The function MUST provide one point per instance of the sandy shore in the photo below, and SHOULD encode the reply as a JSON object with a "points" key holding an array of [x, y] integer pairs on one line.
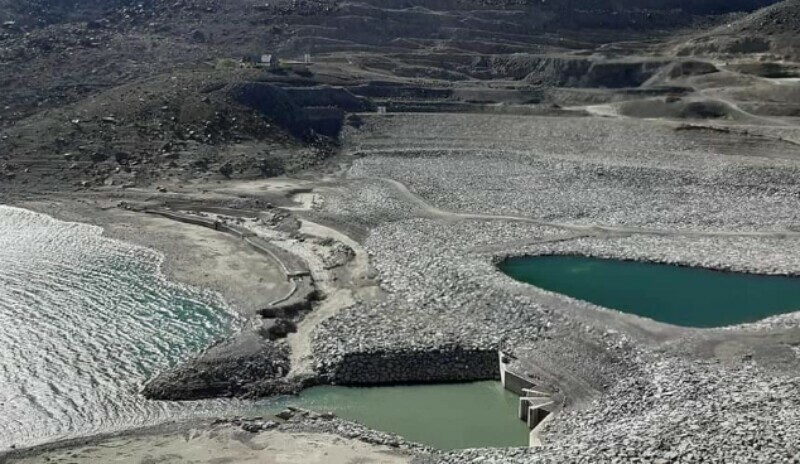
{"points": [[196, 256], [213, 444]]}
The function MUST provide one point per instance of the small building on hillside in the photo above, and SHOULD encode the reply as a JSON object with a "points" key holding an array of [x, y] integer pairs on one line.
{"points": [[267, 60]]}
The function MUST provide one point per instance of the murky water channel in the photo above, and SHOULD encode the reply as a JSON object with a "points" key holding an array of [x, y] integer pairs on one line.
{"points": [[444, 416]]}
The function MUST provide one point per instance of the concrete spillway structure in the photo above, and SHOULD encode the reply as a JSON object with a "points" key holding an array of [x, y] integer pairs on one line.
{"points": [[537, 405]]}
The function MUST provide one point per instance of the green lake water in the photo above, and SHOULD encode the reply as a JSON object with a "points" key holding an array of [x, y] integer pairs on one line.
{"points": [[684, 296], [444, 416], [85, 321]]}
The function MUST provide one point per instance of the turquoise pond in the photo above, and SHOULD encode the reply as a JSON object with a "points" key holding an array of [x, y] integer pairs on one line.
{"points": [[685, 296]]}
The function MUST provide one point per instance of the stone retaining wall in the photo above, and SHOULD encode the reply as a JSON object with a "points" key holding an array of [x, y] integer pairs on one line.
{"points": [[392, 367], [185, 218], [292, 266]]}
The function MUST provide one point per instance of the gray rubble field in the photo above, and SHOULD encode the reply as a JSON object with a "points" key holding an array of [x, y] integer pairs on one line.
{"points": [[636, 390]]}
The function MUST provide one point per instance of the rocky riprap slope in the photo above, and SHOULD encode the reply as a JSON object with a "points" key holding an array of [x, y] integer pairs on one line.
{"points": [[647, 404], [448, 308], [227, 369], [589, 170], [635, 390], [682, 412]]}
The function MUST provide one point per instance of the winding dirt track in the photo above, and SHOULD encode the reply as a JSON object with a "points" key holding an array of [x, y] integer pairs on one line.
{"points": [[337, 297], [592, 229]]}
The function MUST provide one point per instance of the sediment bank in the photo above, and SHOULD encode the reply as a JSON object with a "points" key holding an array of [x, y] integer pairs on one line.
{"points": [[305, 438]]}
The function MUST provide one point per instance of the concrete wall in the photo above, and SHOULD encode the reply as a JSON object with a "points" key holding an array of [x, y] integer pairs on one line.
{"points": [[186, 218], [291, 265], [514, 382]]}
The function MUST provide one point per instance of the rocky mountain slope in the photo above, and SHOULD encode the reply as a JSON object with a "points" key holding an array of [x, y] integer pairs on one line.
{"points": [[61, 60], [774, 30]]}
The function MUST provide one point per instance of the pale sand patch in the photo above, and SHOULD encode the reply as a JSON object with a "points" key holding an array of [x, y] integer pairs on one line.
{"points": [[195, 255], [224, 444], [338, 295], [216, 260]]}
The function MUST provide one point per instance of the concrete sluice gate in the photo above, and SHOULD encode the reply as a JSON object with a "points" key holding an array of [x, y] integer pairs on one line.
{"points": [[537, 405]]}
